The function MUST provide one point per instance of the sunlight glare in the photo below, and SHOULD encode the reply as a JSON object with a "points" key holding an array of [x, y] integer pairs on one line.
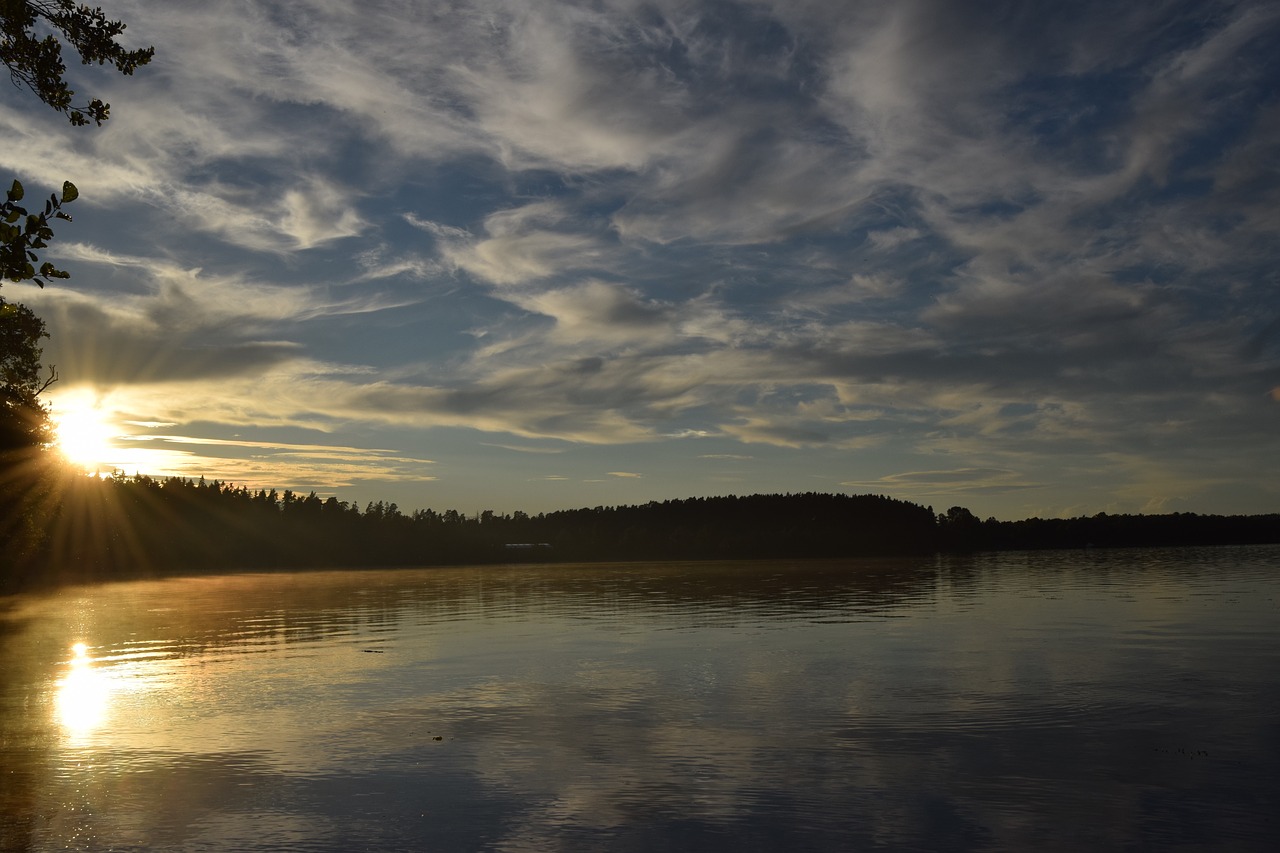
{"points": [[85, 437], [83, 697]]}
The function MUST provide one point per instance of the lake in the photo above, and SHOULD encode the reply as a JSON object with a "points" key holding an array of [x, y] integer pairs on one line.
{"points": [[1104, 700]]}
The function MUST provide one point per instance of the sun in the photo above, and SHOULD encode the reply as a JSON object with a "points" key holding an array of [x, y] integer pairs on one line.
{"points": [[85, 436]]}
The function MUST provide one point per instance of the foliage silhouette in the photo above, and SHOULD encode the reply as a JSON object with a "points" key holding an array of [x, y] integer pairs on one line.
{"points": [[24, 420], [21, 233], [35, 62]]}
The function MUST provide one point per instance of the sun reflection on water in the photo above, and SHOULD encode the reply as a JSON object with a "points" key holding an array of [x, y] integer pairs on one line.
{"points": [[84, 695]]}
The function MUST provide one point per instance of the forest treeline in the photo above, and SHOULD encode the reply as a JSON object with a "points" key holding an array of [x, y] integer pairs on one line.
{"points": [[84, 528]]}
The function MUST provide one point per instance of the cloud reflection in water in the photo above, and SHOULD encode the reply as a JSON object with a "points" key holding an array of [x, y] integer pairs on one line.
{"points": [[1003, 702]]}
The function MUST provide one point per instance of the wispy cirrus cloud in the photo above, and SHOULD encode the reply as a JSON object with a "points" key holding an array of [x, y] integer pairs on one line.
{"points": [[949, 482], [324, 468]]}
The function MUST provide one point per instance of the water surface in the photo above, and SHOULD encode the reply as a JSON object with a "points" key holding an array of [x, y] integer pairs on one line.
{"points": [[1111, 700]]}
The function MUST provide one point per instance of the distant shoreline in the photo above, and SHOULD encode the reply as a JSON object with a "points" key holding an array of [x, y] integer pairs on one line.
{"points": [[132, 527]]}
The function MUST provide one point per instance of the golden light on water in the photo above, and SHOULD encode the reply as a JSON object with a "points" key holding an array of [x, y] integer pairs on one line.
{"points": [[84, 695]]}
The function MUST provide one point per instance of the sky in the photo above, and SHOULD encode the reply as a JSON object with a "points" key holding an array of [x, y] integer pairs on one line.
{"points": [[533, 255]]}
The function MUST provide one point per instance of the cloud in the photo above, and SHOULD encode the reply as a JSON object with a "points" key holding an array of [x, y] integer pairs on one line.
{"points": [[254, 464], [525, 448], [957, 481], [939, 235], [444, 232], [574, 89], [521, 245], [317, 213], [172, 323]]}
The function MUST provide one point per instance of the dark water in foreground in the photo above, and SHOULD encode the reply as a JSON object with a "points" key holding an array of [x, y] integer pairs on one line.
{"points": [[1125, 700]]}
